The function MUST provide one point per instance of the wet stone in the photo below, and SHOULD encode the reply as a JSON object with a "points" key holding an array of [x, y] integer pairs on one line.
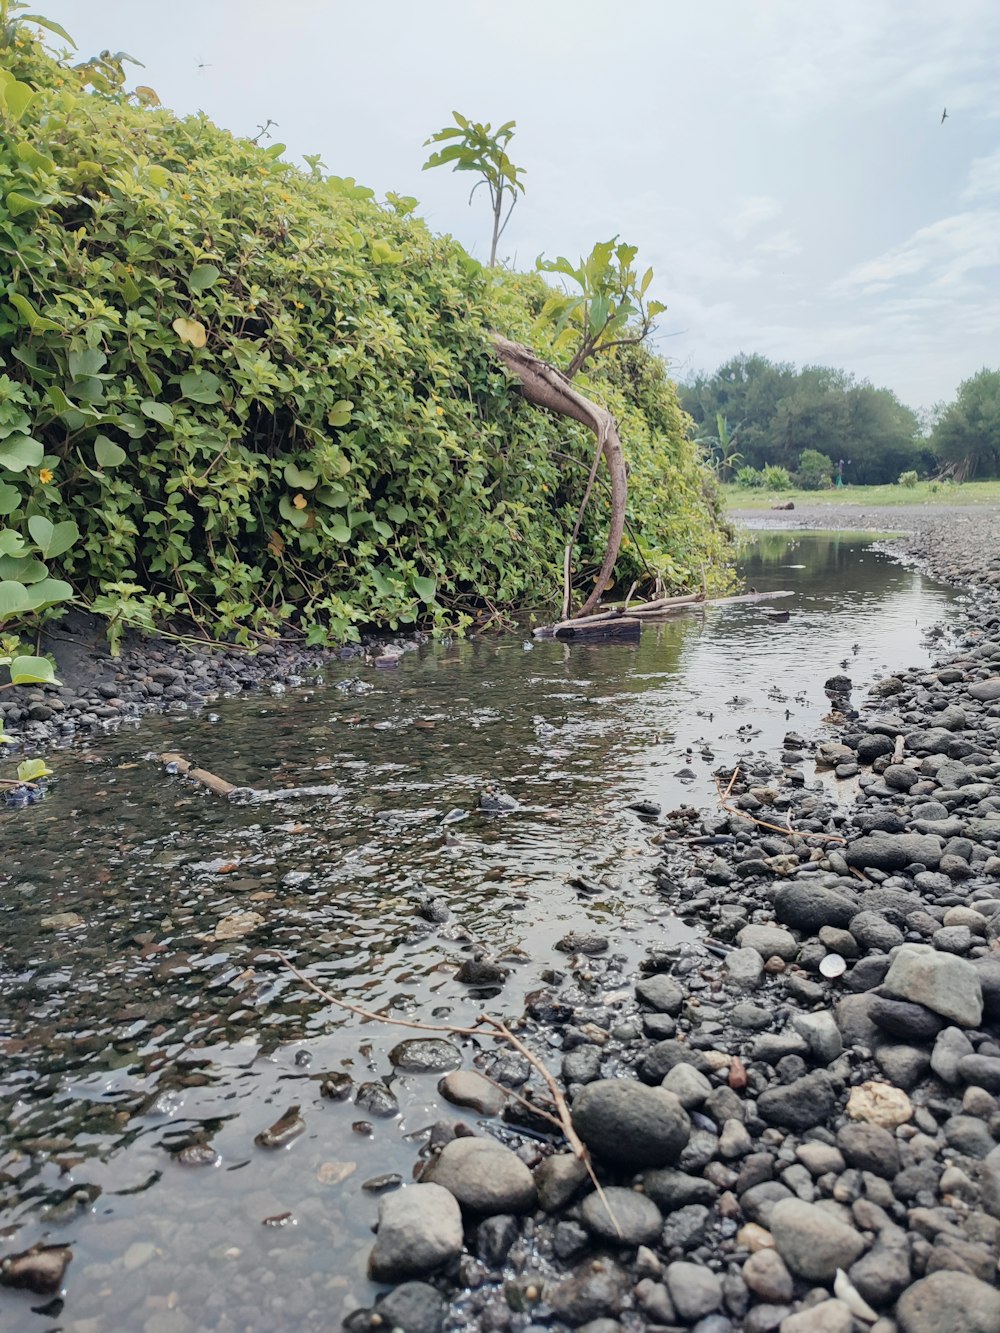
{"points": [[583, 942], [661, 993], [621, 1217], [425, 1055], [336, 1086], [631, 1124], [464, 1087], [484, 1176], [376, 1099], [419, 1229]]}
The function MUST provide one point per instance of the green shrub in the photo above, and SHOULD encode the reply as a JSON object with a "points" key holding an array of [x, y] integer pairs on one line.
{"points": [[234, 392], [775, 478], [815, 471], [908, 479], [749, 478]]}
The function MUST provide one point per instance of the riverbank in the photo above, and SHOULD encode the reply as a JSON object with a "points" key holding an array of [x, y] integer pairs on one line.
{"points": [[795, 1123]]}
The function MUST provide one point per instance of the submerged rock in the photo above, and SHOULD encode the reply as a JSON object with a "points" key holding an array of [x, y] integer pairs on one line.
{"points": [[425, 1055], [40, 1269]]}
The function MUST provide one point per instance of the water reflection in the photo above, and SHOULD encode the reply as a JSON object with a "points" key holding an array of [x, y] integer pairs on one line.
{"points": [[153, 1024]]}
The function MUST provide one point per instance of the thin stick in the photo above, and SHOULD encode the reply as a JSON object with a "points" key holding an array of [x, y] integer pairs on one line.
{"points": [[501, 1032], [788, 831]]}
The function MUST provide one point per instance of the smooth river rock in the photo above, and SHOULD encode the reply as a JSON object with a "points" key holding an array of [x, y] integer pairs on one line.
{"points": [[812, 1241], [941, 982], [484, 1176], [946, 1302], [621, 1216], [631, 1124], [419, 1229]]}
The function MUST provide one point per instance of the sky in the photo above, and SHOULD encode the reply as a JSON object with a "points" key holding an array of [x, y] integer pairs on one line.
{"points": [[781, 164]]}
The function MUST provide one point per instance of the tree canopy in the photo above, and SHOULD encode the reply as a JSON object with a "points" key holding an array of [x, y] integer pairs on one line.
{"points": [[781, 413], [966, 436]]}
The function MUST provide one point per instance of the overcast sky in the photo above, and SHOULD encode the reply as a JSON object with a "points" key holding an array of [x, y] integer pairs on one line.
{"points": [[781, 164]]}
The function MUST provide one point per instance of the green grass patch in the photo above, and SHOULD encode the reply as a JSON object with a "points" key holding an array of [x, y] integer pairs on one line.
{"points": [[924, 493]]}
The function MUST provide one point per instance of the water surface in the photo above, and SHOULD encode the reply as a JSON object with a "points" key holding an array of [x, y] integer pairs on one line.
{"points": [[139, 1030]]}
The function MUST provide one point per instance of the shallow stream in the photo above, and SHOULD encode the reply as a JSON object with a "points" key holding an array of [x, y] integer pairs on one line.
{"points": [[138, 1028]]}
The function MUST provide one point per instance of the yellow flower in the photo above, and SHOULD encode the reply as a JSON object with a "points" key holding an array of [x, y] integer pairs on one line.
{"points": [[299, 305], [440, 411], [45, 474]]}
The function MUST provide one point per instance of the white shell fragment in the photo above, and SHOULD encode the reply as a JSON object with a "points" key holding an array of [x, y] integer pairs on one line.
{"points": [[833, 965]]}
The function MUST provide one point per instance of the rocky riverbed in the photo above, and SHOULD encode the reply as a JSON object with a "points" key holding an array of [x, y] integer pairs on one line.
{"points": [[795, 1124]]}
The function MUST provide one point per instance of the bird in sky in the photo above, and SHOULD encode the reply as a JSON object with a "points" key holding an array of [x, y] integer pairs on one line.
{"points": [[944, 115]]}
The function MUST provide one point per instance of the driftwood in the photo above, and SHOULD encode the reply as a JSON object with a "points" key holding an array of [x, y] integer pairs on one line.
{"points": [[616, 627], [646, 611], [216, 784], [545, 386]]}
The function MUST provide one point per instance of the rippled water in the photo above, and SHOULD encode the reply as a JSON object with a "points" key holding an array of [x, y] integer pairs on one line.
{"points": [[139, 1031]]}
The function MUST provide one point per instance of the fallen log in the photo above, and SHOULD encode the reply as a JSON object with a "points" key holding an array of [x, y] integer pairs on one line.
{"points": [[215, 784], [618, 627]]}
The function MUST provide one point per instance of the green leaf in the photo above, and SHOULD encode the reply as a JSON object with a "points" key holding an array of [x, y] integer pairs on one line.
{"points": [[18, 452], [425, 588], [50, 592], [50, 25], [36, 323], [340, 413], [287, 510], [159, 177], [33, 671], [17, 98], [30, 770], [52, 539], [12, 543], [160, 412], [31, 157], [203, 276], [22, 569], [303, 481], [107, 453], [200, 386], [20, 201], [85, 362], [13, 598], [10, 498], [338, 530]]}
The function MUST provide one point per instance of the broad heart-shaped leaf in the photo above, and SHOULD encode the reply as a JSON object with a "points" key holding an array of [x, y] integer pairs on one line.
{"points": [[20, 451], [160, 412], [30, 770], [203, 276], [17, 98], [190, 331], [340, 413], [13, 599], [107, 453], [10, 498], [12, 543], [52, 539], [337, 529], [23, 569], [50, 592], [33, 671], [425, 588], [200, 386], [296, 517], [301, 480]]}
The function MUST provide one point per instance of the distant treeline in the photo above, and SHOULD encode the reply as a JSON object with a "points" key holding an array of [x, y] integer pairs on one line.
{"points": [[755, 413]]}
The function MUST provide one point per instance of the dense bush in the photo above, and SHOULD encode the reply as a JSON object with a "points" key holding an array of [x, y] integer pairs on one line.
{"points": [[239, 393], [815, 470], [749, 478], [775, 478], [908, 479]]}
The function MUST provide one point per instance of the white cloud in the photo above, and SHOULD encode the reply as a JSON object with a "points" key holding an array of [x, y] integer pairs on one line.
{"points": [[782, 244], [942, 254], [751, 212], [984, 178]]}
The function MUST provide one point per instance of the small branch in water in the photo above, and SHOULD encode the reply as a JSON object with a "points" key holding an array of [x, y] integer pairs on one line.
{"points": [[501, 1032], [788, 831]]}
